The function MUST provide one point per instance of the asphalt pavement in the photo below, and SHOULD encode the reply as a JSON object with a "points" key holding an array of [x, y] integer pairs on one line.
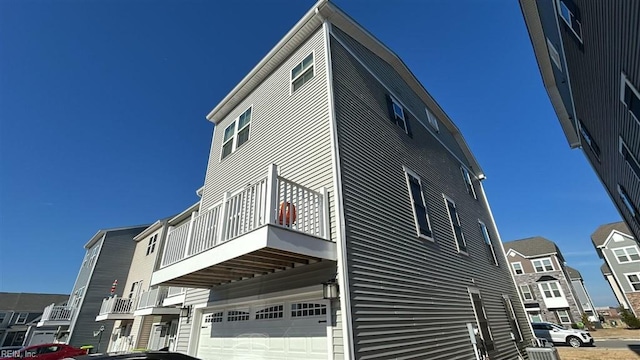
{"points": [[633, 345]]}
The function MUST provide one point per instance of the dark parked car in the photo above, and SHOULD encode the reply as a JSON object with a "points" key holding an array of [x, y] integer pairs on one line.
{"points": [[147, 355], [45, 352]]}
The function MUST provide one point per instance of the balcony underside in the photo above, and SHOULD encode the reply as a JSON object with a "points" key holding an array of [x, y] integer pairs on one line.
{"points": [[157, 311], [42, 323], [114, 316], [265, 250]]}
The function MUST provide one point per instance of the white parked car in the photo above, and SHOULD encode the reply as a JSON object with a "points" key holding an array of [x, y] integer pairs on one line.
{"points": [[557, 334]]}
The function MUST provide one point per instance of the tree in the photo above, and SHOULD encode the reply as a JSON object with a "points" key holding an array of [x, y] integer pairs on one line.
{"points": [[631, 320]]}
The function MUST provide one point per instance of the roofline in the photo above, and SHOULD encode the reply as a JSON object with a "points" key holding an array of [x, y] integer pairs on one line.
{"points": [[103, 232], [325, 10], [538, 41], [184, 214], [531, 256], [614, 231], [153, 227]]}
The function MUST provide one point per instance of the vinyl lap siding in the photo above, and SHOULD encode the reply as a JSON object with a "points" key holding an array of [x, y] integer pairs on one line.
{"points": [[193, 297], [409, 296], [338, 340], [291, 131]]}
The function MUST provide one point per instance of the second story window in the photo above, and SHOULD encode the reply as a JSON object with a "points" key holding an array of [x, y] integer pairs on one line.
{"points": [[570, 18], [398, 114], [22, 318], [526, 292], [467, 180], [302, 73], [236, 134], [627, 254], [455, 225], [433, 120], [420, 211], [626, 200], [630, 96], [629, 158], [517, 268], [634, 280], [586, 135], [542, 265], [151, 246], [554, 55], [487, 241], [550, 290]]}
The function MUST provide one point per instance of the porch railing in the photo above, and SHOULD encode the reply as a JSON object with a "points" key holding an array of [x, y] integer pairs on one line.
{"points": [[55, 312], [271, 199], [152, 298], [117, 305], [175, 291]]}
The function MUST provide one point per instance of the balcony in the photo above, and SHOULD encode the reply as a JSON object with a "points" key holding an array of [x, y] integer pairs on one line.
{"points": [[175, 296], [56, 315], [151, 303], [116, 308], [270, 225]]}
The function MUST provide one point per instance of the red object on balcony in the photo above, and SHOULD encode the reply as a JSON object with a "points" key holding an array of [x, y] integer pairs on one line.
{"points": [[287, 214]]}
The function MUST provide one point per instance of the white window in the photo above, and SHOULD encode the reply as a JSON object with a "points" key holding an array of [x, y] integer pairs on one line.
{"points": [[433, 120], [563, 316], [22, 318], [489, 245], [513, 320], [455, 225], [550, 290], [526, 292], [517, 268], [308, 309], [634, 280], [214, 318], [238, 315], [420, 210], [468, 182], [135, 289], [586, 135], [627, 254], [626, 200], [481, 319], [535, 316], [396, 112], [630, 96], [570, 18], [302, 73], [271, 312], [553, 53], [629, 158], [542, 265], [236, 134], [151, 246]]}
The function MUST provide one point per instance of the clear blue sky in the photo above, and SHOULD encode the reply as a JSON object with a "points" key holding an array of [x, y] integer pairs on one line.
{"points": [[103, 104]]}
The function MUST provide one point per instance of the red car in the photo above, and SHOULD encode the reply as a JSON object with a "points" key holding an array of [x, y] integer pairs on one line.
{"points": [[46, 352]]}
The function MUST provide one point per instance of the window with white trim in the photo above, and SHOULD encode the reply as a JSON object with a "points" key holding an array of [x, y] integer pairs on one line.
{"points": [[570, 18], [586, 135], [563, 316], [526, 292], [554, 54], [468, 182], [488, 244], [629, 158], [420, 210], [626, 200], [630, 97], [302, 72], [634, 280], [271, 312], [237, 315], [513, 320], [481, 319], [535, 316], [308, 309], [542, 265], [627, 254], [461, 244], [237, 133], [397, 113], [550, 290], [517, 268], [433, 120], [151, 246], [22, 318], [214, 318]]}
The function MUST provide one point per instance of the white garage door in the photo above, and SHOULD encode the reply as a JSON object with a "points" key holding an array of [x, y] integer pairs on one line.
{"points": [[42, 337], [286, 330]]}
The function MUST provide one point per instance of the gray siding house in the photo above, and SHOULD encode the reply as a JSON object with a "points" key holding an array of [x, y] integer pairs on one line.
{"points": [[582, 295], [342, 216], [615, 244], [107, 259], [544, 281], [20, 314], [589, 58]]}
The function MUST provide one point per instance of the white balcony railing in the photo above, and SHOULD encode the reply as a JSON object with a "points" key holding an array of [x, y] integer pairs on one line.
{"points": [[271, 200], [152, 298], [175, 291], [55, 312], [117, 305]]}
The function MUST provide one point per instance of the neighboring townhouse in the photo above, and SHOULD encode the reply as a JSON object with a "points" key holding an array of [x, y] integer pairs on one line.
{"points": [[146, 317], [615, 244], [342, 217], [588, 54], [106, 263], [610, 316], [19, 314], [542, 277], [582, 295]]}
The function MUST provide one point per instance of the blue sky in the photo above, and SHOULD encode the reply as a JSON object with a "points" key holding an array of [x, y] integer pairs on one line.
{"points": [[103, 104]]}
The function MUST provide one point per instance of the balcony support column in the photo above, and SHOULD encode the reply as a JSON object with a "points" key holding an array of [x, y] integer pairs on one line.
{"points": [[324, 213], [221, 236], [189, 234], [272, 194]]}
